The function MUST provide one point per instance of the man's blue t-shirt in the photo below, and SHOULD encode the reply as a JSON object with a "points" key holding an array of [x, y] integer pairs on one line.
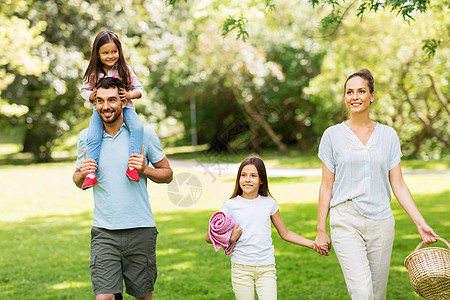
{"points": [[121, 203]]}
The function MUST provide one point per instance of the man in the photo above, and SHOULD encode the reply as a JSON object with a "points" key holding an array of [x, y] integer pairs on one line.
{"points": [[123, 235]]}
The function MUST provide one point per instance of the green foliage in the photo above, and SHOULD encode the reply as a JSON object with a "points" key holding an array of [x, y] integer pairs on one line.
{"points": [[238, 24], [223, 76], [176, 50], [407, 9], [430, 46], [405, 97]]}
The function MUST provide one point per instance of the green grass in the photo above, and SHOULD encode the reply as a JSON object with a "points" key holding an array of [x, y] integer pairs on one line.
{"points": [[45, 232]]}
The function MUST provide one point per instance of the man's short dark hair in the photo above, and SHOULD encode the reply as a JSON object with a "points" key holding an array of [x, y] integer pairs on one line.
{"points": [[109, 83]]}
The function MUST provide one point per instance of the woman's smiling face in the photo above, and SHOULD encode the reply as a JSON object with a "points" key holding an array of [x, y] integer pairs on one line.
{"points": [[357, 95]]}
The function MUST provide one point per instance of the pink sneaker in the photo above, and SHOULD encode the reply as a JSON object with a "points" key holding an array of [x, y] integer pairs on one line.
{"points": [[89, 181], [133, 174]]}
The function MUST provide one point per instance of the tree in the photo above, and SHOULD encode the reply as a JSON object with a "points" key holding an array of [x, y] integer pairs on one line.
{"points": [[411, 87], [49, 88], [338, 10], [248, 94], [17, 53]]}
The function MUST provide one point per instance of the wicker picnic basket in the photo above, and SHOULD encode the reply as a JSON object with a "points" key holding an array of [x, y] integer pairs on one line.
{"points": [[429, 271]]}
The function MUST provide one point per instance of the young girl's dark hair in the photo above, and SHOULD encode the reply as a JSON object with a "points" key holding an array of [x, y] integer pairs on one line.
{"points": [[261, 168], [364, 74], [95, 66]]}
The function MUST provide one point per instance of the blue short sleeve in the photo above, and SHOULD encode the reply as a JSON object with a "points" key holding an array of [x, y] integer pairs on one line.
{"points": [[153, 149], [326, 151]]}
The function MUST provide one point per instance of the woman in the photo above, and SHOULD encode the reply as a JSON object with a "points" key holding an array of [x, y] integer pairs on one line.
{"points": [[360, 159]]}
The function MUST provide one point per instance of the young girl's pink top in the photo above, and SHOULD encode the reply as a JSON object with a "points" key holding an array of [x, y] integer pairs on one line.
{"points": [[88, 87]]}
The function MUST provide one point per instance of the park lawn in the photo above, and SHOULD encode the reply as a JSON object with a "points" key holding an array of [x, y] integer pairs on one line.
{"points": [[45, 226]]}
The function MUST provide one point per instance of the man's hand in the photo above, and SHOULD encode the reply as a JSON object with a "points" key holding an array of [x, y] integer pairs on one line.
{"points": [[137, 161], [87, 165]]}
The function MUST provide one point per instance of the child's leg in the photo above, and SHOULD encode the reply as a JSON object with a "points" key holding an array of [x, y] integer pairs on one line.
{"points": [[136, 129], [266, 282], [94, 137], [93, 145], [242, 279]]}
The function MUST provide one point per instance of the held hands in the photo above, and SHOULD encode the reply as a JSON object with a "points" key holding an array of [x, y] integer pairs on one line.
{"points": [[137, 161], [124, 94], [322, 244], [87, 165], [427, 234], [235, 234]]}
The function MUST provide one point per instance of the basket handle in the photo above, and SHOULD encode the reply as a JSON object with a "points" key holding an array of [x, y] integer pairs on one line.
{"points": [[438, 238]]}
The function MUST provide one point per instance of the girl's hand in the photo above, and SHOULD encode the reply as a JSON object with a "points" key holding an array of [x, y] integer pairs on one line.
{"points": [[93, 95], [427, 234], [235, 234], [322, 244], [124, 95]]}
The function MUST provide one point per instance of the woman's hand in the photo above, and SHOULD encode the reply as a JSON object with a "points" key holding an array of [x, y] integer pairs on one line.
{"points": [[235, 234], [322, 244], [427, 234]]}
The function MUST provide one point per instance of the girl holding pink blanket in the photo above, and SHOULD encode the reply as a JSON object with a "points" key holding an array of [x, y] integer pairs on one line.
{"points": [[220, 229], [252, 208]]}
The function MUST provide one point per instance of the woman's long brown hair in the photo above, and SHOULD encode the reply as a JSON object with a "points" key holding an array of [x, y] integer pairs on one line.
{"points": [[95, 66], [261, 168]]}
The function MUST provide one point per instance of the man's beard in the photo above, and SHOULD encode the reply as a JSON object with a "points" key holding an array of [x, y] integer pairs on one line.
{"points": [[109, 121]]}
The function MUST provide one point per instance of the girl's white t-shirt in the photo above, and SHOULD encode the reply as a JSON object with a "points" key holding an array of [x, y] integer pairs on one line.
{"points": [[254, 247]]}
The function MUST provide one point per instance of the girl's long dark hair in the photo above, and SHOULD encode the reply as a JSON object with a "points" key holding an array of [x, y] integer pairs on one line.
{"points": [[95, 66], [261, 168]]}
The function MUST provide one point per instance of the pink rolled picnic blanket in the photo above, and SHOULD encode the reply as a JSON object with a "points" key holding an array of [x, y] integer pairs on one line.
{"points": [[220, 228]]}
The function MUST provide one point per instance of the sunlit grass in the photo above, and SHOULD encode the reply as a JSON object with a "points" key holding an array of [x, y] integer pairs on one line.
{"points": [[46, 223]]}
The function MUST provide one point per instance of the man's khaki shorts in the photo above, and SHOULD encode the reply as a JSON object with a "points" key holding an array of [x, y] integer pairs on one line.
{"points": [[123, 255]]}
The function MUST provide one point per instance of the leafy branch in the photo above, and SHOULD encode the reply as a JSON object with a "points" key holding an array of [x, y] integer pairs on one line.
{"points": [[231, 24], [406, 8]]}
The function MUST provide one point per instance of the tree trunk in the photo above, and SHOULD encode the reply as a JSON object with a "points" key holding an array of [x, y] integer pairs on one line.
{"points": [[426, 121], [418, 142], [439, 94], [266, 126]]}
